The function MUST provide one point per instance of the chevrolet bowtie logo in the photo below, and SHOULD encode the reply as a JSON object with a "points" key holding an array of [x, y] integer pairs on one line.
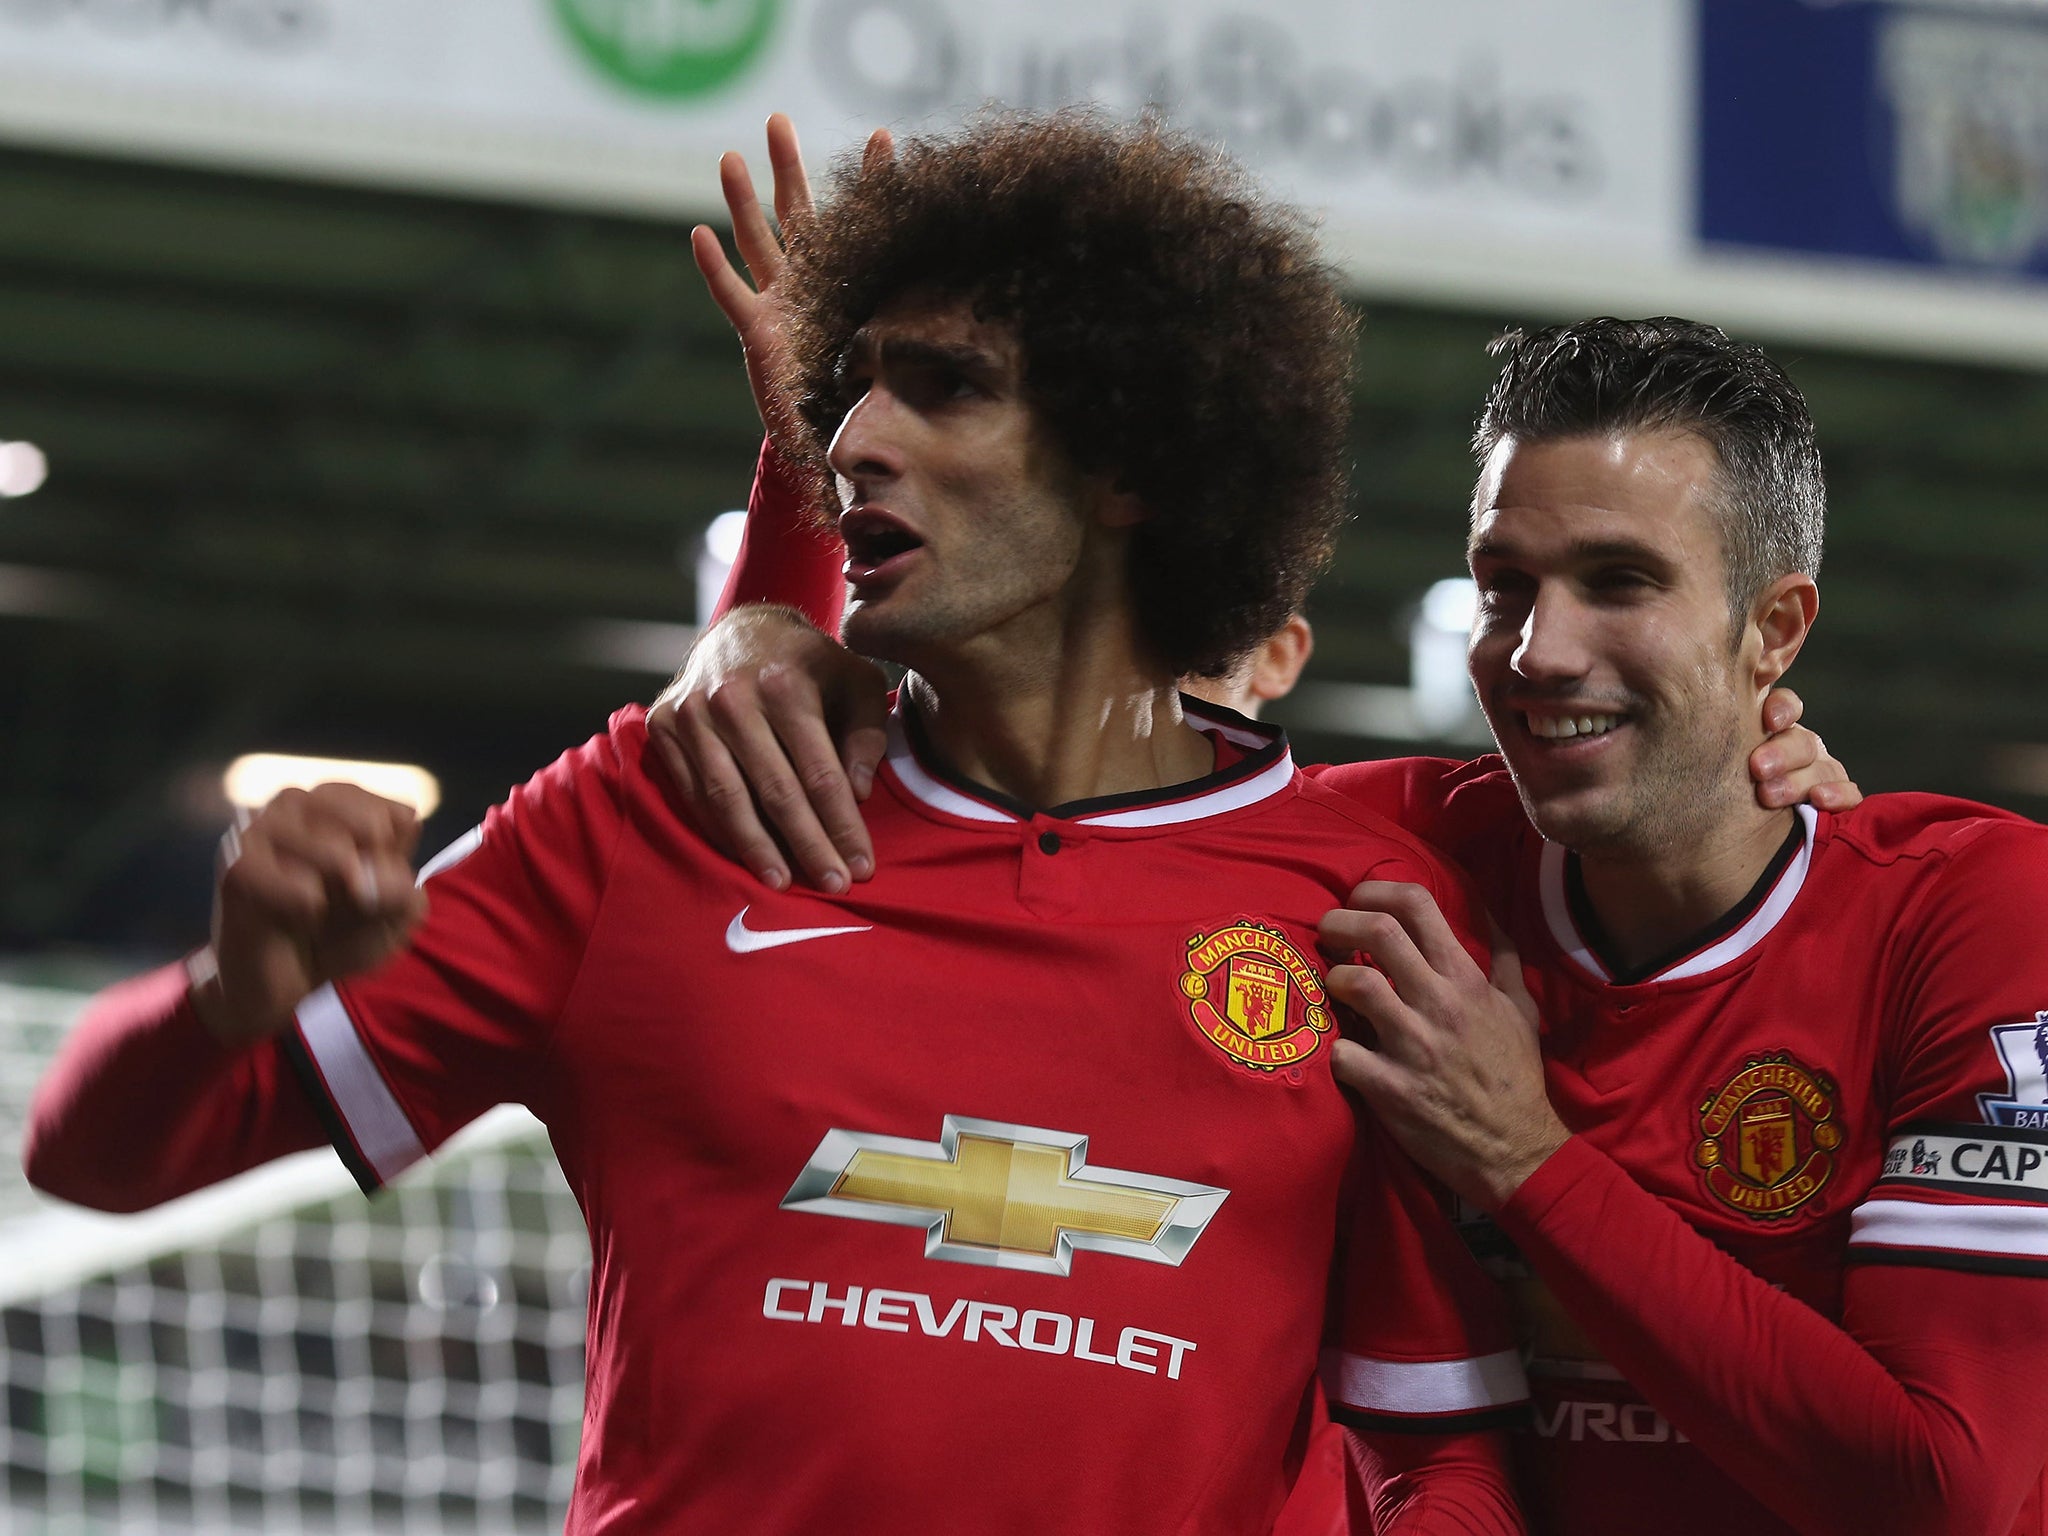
{"points": [[1014, 1196]]}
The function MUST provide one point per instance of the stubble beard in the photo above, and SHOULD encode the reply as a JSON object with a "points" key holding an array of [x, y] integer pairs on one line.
{"points": [[899, 638], [1681, 790]]}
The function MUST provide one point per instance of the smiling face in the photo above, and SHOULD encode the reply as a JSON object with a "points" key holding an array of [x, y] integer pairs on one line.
{"points": [[963, 522], [1619, 691]]}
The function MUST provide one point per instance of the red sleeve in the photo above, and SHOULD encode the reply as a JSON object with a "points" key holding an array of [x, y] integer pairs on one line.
{"points": [[1965, 1178], [1913, 1416], [1367, 1485], [1436, 1485], [787, 555], [464, 1018], [1422, 1366], [142, 1104], [1419, 1338]]}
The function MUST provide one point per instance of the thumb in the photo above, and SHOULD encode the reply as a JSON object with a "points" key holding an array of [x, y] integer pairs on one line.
{"points": [[864, 739]]}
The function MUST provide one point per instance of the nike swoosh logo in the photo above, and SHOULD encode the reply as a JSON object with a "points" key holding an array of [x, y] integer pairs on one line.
{"points": [[742, 940]]}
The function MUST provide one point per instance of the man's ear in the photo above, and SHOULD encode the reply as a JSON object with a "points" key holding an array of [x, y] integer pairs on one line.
{"points": [[1116, 507], [1278, 661], [1781, 618]]}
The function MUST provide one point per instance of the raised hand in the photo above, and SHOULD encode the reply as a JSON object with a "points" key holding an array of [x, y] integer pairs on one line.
{"points": [[319, 885], [1456, 1070], [1794, 764], [753, 309], [772, 730]]}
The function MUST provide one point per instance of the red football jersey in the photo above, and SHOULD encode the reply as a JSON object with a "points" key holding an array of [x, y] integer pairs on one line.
{"points": [[1852, 1069], [1000, 1193]]}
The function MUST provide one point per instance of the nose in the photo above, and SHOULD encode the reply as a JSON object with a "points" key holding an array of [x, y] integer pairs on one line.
{"points": [[867, 446], [1552, 644]]}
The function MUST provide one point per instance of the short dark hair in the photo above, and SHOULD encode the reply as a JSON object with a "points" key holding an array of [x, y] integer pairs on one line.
{"points": [[1664, 374], [1179, 333]]}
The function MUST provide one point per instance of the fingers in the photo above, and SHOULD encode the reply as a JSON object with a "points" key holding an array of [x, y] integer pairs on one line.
{"points": [[1796, 766], [718, 793], [729, 291], [862, 749], [864, 737], [1400, 926], [1368, 992], [1365, 1072], [319, 884], [1505, 972], [751, 708], [764, 768], [314, 852], [662, 732], [1792, 750], [821, 823], [759, 246], [785, 159], [1782, 709], [1824, 784], [879, 152], [1837, 795]]}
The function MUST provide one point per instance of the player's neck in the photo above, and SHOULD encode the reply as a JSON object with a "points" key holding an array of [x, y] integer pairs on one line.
{"points": [[1650, 902], [1085, 721]]}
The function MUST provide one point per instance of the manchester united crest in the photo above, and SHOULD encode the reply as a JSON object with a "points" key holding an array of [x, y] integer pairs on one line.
{"points": [[1768, 1137], [1251, 995]]}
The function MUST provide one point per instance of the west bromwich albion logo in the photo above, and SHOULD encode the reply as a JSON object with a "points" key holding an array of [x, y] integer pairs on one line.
{"points": [[2023, 1050], [1970, 135], [1252, 995]]}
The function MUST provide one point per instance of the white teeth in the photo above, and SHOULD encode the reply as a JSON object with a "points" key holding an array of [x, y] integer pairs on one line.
{"points": [[1565, 727]]}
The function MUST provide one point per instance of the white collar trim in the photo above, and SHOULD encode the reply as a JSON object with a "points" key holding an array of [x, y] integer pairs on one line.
{"points": [[1557, 914], [924, 786]]}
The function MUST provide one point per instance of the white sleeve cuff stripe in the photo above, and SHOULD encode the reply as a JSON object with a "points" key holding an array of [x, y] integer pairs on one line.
{"points": [[452, 855], [357, 1089], [1426, 1386], [2019, 1231]]}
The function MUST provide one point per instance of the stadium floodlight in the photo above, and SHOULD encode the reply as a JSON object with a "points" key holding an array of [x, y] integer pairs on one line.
{"points": [[1437, 680], [23, 469], [2020, 769], [716, 551], [252, 781]]}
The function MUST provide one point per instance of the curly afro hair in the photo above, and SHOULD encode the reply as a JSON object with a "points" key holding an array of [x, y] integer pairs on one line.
{"points": [[1179, 332]]}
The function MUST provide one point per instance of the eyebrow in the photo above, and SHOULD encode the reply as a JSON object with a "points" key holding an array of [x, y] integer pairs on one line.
{"points": [[1579, 550], [909, 351]]}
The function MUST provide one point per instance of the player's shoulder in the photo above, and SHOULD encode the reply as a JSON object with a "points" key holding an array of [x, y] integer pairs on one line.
{"points": [[1403, 781], [1469, 809], [1396, 851], [586, 793], [1915, 834]]}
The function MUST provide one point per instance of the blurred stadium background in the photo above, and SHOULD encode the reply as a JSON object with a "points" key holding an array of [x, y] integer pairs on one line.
{"points": [[377, 413]]}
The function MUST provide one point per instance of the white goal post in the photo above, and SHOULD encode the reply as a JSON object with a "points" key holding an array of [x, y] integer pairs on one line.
{"points": [[279, 1354]]}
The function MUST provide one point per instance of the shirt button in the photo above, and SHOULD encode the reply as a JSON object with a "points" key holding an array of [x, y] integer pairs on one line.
{"points": [[1048, 842]]}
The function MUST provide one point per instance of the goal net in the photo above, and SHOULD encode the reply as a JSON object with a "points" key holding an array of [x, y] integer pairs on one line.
{"points": [[281, 1355]]}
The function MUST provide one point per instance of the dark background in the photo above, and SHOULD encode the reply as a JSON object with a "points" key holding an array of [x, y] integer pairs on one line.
{"points": [[353, 473]]}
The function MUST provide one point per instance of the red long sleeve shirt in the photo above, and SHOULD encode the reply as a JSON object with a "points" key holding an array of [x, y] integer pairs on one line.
{"points": [[1760, 1290]]}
